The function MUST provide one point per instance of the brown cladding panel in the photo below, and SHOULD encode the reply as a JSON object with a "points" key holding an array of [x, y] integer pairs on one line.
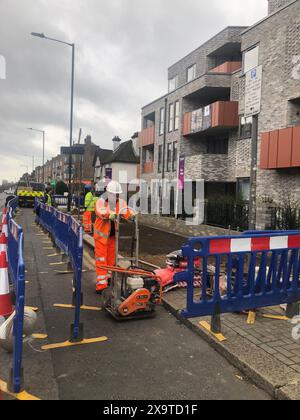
{"points": [[228, 67], [296, 147], [147, 137], [187, 124], [264, 154], [231, 117], [285, 139], [273, 150], [225, 114]]}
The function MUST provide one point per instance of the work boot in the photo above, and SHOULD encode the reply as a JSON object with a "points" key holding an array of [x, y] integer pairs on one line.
{"points": [[101, 286]]}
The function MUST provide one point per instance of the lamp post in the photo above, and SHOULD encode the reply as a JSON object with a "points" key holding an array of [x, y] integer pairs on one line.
{"points": [[43, 36], [44, 134]]}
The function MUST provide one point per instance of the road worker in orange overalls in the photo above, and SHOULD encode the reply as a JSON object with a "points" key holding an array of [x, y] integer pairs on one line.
{"points": [[107, 210]]}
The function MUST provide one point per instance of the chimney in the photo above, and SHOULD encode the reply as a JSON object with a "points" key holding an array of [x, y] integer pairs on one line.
{"points": [[116, 143], [277, 4], [88, 140], [135, 143]]}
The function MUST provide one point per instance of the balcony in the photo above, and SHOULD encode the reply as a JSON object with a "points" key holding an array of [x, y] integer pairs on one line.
{"points": [[148, 168], [280, 149], [147, 137], [219, 115], [228, 67]]}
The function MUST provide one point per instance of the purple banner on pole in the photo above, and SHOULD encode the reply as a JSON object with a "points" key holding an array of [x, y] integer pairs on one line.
{"points": [[181, 173]]}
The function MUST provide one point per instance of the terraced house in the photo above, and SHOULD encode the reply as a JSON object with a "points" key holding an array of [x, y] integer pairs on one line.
{"points": [[203, 121]]}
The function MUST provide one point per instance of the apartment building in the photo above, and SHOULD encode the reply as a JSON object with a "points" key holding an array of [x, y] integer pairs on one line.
{"points": [[274, 44], [201, 121], [53, 169]]}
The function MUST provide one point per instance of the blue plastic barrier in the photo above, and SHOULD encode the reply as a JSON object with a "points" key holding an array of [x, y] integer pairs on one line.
{"points": [[17, 277], [68, 236], [259, 270]]}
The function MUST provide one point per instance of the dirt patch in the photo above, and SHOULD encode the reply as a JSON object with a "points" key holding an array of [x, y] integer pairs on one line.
{"points": [[154, 244]]}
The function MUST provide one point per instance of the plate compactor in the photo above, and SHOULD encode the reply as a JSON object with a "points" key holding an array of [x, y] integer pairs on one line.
{"points": [[133, 292]]}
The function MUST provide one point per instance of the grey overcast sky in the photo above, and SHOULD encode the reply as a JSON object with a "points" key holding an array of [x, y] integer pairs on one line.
{"points": [[124, 48]]}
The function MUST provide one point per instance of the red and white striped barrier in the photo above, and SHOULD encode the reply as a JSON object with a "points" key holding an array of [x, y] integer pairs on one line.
{"points": [[4, 229], [255, 244], [6, 308]]}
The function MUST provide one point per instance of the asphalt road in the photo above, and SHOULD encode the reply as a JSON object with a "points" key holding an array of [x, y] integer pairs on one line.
{"points": [[155, 359]]}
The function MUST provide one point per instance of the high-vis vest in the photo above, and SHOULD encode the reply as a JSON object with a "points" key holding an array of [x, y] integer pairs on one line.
{"points": [[102, 227], [49, 200], [89, 202]]}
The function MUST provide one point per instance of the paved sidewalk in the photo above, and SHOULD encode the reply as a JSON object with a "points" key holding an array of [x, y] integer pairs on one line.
{"points": [[265, 351]]}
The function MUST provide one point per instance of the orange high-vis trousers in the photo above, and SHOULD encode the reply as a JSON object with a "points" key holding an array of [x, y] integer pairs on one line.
{"points": [[105, 254], [87, 222]]}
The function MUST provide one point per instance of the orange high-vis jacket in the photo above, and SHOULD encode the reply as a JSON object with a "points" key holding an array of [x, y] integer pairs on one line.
{"points": [[103, 211]]}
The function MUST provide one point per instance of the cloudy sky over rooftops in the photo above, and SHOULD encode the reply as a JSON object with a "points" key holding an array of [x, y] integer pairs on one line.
{"points": [[123, 50]]}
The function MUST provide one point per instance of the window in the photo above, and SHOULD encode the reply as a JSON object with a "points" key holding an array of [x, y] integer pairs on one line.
{"points": [[243, 189], [251, 59], [175, 156], [191, 73], [160, 159], [161, 121], [171, 117], [173, 84], [177, 115], [217, 146], [169, 157], [246, 127]]}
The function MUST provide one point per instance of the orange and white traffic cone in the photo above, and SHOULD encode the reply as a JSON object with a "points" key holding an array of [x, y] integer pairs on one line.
{"points": [[6, 308], [4, 213], [5, 228], [3, 244]]}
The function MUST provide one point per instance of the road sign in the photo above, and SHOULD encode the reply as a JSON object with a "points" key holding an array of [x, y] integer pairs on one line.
{"points": [[253, 92], [75, 150]]}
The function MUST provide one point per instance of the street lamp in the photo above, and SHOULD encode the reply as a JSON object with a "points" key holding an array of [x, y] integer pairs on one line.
{"points": [[43, 36], [43, 132]]}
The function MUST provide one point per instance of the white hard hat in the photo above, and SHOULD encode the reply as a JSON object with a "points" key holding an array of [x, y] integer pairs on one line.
{"points": [[114, 187]]}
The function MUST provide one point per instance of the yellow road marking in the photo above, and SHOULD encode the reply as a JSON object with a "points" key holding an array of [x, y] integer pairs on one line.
{"points": [[22, 396], [32, 308], [69, 344], [58, 263], [206, 326], [39, 336], [54, 255], [63, 272], [251, 318], [277, 317], [48, 249], [84, 307]]}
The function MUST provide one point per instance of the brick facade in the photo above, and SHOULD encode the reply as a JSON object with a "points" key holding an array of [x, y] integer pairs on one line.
{"points": [[279, 53], [278, 40]]}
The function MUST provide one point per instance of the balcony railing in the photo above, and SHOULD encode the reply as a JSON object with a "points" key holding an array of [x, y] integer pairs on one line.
{"points": [[217, 115], [280, 149], [228, 67], [148, 168], [147, 137]]}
